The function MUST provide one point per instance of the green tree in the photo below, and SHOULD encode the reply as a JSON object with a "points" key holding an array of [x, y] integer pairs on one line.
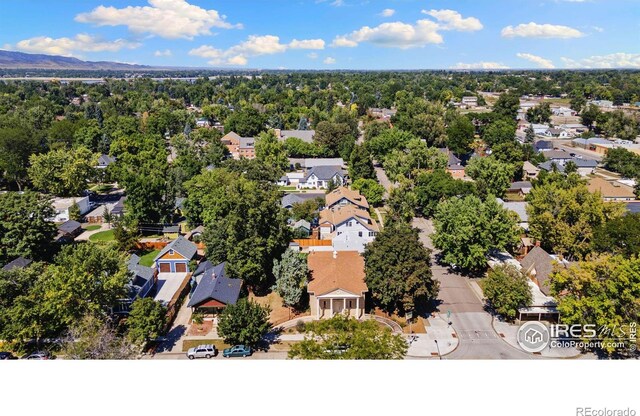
{"points": [[247, 228], [530, 134], [402, 203], [590, 115], [507, 105], [433, 187], [563, 215], [244, 323], [16, 146], [360, 164], [24, 226], [499, 131], [460, 134], [91, 338], [247, 122], [387, 141], [126, 234], [74, 212], [622, 161], [336, 138], [85, 279], [417, 156], [292, 275], [343, 338], [602, 291], [467, 229], [307, 210], [372, 190], [398, 270], [539, 114], [620, 235], [146, 320], [491, 176], [63, 172], [271, 152], [507, 290]]}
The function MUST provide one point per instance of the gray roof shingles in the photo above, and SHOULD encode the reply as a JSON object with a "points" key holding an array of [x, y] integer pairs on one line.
{"points": [[182, 246], [215, 285]]}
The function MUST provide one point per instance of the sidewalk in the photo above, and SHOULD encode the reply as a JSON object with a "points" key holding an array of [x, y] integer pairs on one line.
{"points": [[508, 333], [425, 344]]}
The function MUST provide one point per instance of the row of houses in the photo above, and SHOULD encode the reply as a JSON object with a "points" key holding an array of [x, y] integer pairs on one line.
{"points": [[245, 147]]}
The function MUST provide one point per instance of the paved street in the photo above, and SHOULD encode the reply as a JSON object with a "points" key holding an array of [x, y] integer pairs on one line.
{"points": [[478, 340]]}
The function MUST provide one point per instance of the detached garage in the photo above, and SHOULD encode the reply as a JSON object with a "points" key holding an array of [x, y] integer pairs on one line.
{"points": [[175, 257]]}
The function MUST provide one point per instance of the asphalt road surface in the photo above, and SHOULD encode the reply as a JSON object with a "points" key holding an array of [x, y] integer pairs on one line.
{"points": [[478, 340]]}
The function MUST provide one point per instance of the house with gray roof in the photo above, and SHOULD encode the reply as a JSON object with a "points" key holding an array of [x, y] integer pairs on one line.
{"points": [[175, 257], [104, 161], [213, 290], [319, 177], [141, 282], [538, 265], [520, 208], [68, 230], [289, 200]]}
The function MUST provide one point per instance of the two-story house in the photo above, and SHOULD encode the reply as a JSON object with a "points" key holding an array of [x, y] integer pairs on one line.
{"points": [[349, 227]]}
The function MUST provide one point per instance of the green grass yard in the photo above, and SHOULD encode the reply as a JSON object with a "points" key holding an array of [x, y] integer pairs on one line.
{"points": [[146, 258], [92, 227], [102, 237]]}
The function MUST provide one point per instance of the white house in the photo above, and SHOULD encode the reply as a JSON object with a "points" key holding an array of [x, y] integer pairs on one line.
{"points": [[348, 226], [563, 112], [62, 205], [470, 102], [559, 133], [319, 177]]}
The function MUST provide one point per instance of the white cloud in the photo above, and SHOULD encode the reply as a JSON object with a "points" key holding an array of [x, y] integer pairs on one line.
{"points": [[535, 30], [452, 20], [406, 35], [387, 13], [239, 54], [171, 19], [538, 60], [329, 61], [307, 44], [165, 52], [393, 35], [70, 46], [613, 60], [480, 65]]}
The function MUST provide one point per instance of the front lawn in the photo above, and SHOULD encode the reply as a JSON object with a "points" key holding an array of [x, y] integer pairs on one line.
{"points": [[102, 237], [92, 227], [146, 258]]}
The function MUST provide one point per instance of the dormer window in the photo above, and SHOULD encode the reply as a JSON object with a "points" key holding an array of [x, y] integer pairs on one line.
{"points": [[171, 252]]}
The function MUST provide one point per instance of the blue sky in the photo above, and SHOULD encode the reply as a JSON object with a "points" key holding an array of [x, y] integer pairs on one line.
{"points": [[331, 34]]}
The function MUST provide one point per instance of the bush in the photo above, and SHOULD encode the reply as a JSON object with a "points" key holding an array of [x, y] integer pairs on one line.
{"points": [[507, 290]]}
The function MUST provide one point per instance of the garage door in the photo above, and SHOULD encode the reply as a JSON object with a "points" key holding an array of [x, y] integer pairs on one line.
{"points": [[181, 268], [165, 267]]}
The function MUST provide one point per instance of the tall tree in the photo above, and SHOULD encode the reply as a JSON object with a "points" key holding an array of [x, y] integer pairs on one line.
{"points": [[492, 176], [92, 338], [16, 146], [619, 236], [398, 270], [360, 164], [244, 323], [602, 291], [372, 190], [24, 226], [507, 105], [433, 187], [146, 321], [460, 134], [467, 229], [539, 114], [563, 215], [271, 152], [63, 172], [292, 274], [507, 290]]}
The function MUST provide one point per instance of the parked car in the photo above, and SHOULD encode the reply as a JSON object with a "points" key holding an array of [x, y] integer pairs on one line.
{"points": [[237, 351], [4, 355], [39, 355], [202, 351]]}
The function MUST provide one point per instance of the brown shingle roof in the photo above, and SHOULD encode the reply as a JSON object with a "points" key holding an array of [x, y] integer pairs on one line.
{"points": [[345, 271], [610, 189], [351, 195], [340, 214]]}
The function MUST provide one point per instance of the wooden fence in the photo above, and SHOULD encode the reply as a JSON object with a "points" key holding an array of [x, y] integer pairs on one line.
{"points": [[312, 242]]}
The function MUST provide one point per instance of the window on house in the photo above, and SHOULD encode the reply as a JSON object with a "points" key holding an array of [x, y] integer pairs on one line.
{"points": [[171, 252], [350, 304], [359, 233], [372, 233], [349, 224]]}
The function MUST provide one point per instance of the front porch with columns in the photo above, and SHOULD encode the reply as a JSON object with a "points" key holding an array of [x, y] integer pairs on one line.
{"points": [[338, 302]]}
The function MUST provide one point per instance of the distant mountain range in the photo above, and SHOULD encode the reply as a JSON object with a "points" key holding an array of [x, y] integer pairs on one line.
{"points": [[19, 60]]}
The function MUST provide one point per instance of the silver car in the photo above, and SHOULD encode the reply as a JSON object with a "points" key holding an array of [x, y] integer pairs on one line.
{"points": [[202, 351]]}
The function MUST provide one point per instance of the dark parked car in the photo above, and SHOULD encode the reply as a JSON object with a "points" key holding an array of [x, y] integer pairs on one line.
{"points": [[39, 355], [7, 356], [237, 351]]}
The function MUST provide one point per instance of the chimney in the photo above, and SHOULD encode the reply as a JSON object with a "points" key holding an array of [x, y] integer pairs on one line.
{"points": [[277, 132], [537, 243], [335, 254]]}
